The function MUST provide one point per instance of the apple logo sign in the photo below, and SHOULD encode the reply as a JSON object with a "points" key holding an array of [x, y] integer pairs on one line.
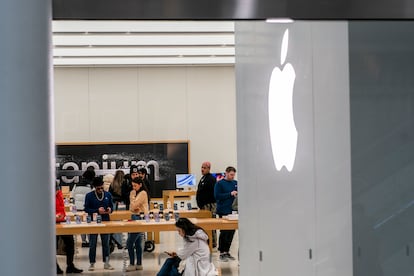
{"points": [[283, 133]]}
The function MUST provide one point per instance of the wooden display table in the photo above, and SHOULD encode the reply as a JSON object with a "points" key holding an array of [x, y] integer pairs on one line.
{"points": [[170, 195], [122, 215], [108, 227], [126, 215], [155, 235]]}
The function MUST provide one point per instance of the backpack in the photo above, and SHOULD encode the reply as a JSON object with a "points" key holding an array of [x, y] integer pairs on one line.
{"points": [[78, 195], [235, 205]]}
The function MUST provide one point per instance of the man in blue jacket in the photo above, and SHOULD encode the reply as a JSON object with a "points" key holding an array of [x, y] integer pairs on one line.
{"points": [[225, 191], [100, 202]]}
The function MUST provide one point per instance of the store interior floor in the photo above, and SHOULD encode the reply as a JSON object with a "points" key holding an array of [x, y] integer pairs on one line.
{"points": [[170, 241]]}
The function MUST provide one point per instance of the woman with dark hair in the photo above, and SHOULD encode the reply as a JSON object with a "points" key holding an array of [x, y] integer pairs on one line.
{"points": [[195, 252], [139, 200], [116, 191]]}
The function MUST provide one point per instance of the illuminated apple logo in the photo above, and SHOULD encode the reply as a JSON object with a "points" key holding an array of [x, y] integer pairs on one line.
{"points": [[283, 133]]}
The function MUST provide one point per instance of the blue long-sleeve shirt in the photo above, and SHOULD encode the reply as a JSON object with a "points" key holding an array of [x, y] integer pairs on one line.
{"points": [[222, 193], [92, 204]]}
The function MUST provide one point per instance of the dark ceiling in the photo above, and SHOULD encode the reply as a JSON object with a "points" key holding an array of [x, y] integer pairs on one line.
{"points": [[232, 9]]}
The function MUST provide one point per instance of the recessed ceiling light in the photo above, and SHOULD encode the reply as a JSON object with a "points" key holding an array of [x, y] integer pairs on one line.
{"points": [[279, 20]]}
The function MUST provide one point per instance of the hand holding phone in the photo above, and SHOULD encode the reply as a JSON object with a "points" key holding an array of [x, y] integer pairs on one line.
{"points": [[171, 254]]}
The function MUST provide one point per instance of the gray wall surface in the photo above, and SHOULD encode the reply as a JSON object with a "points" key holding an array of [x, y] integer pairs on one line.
{"points": [[27, 229], [382, 126], [298, 222]]}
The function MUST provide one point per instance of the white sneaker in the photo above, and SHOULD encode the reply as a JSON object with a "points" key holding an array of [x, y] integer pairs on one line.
{"points": [[131, 268], [139, 267], [107, 266], [230, 257], [91, 267], [223, 257]]}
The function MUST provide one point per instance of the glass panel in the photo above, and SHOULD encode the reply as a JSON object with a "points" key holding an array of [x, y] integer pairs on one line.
{"points": [[382, 146]]}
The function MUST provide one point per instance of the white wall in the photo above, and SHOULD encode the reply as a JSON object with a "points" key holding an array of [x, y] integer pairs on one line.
{"points": [[150, 104]]}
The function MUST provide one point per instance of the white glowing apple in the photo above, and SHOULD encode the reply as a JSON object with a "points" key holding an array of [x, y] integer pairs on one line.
{"points": [[283, 133]]}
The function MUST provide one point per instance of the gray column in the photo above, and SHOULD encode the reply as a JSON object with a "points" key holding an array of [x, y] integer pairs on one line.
{"points": [[27, 235]]}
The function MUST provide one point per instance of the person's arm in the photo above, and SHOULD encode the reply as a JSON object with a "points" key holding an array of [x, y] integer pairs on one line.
{"points": [[211, 184], [139, 203], [110, 203], [188, 249], [60, 207], [132, 204]]}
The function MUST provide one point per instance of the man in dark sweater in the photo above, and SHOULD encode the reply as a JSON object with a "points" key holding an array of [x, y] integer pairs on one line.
{"points": [[225, 191], [205, 194]]}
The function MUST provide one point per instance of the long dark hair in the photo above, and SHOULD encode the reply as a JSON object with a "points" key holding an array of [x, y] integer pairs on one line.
{"points": [[188, 227], [139, 180], [117, 182]]}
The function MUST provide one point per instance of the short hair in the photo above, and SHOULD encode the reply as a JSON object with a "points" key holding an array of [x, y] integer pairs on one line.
{"points": [[89, 174], [97, 181], [207, 163], [230, 169], [142, 170]]}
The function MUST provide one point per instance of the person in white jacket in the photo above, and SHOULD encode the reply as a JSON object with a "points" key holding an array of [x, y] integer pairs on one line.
{"points": [[195, 252]]}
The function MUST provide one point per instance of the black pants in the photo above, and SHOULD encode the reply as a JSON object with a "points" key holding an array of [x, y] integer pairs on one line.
{"points": [[225, 239], [69, 248]]}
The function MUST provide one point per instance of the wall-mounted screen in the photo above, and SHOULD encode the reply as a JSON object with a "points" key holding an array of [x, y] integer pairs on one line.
{"points": [[185, 181]]}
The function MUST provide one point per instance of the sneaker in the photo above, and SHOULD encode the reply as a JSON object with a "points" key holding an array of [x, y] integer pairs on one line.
{"points": [[230, 257], [73, 269], [139, 267], [107, 266], [85, 244], [91, 267], [131, 268], [223, 257]]}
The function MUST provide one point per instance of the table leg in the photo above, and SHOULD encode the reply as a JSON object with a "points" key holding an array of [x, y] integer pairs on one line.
{"points": [[155, 236], [210, 240]]}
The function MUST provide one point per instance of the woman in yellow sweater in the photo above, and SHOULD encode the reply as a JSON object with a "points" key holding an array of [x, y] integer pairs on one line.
{"points": [[139, 199]]}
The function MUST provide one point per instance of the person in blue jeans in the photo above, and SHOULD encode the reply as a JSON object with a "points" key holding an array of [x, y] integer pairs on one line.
{"points": [[139, 203], [100, 202], [170, 267]]}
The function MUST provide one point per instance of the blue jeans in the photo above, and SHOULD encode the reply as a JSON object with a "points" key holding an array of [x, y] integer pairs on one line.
{"points": [[135, 241], [93, 238], [169, 268]]}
